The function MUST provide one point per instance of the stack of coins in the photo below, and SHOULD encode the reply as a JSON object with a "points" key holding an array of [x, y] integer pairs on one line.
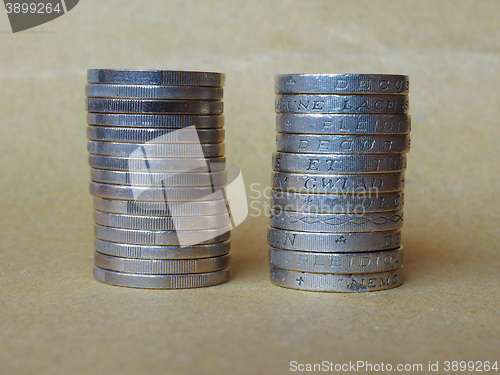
{"points": [[157, 166], [338, 180]]}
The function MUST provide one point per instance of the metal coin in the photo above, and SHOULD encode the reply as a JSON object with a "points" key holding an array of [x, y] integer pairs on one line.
{"points": [[161, 222], [342, 83], [327, 144], [348, 163], [191, 107], [337, 183], [158, 178], [324, 282], [305, 261], [315, 103], [200, 208], [196, 280], [337, 203], [340, 223], [162, 150], [155, 77], [160, 194], [330, 123], [119, 134], [161, 252], [154, 92], [161, 266], [334, 242], [162, 238], [157, 164], [155, 121]]}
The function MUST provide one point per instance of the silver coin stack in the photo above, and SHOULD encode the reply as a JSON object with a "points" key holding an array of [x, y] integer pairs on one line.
{"points": [[157, 161], [338, 180]]}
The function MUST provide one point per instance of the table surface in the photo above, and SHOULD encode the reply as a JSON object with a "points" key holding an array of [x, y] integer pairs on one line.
{"points": [[55, 318]]}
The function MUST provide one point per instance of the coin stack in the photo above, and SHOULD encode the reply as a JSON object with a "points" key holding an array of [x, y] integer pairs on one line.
{"points": [[157, 162], [338, 180]]}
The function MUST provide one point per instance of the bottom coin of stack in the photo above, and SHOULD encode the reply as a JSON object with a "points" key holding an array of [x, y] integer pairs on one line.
{"points": [[164, 273], [342, 272], [129, 256]]}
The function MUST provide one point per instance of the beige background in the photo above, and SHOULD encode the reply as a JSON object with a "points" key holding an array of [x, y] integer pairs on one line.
{"points": [[55, 318]]}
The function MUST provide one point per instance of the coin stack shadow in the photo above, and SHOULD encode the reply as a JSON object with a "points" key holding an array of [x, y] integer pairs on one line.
{"points": [[338, 181], [157, 162]]}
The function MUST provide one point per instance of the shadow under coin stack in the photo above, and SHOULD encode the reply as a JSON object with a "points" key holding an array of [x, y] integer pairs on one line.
{"points": [[157, 161], [338, 180]]}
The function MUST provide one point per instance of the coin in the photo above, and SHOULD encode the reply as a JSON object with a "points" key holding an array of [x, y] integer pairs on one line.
{"points": [[201, 208], [331, 123], [161, 266], [155, 121], [118, 134], [340, 163], [163, 238], [155, 77], [162, 252], [196, 280], [318, 222], [157, 164], [179, 106], [162, 194], [154, 92], [337, 203], [342, 83], [316, 103], [306, 261], [334, 242], [315, 143], [161, 222], [337, 183], [162, 150], [330, 282], [158, 178]]}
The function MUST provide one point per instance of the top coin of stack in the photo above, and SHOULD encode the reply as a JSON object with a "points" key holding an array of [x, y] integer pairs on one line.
{"points": [[157, 163], [338, 181]]}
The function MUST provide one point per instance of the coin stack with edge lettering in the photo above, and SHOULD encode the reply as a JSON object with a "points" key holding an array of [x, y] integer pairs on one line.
{"points": [[338, 181], [156, 152]]}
